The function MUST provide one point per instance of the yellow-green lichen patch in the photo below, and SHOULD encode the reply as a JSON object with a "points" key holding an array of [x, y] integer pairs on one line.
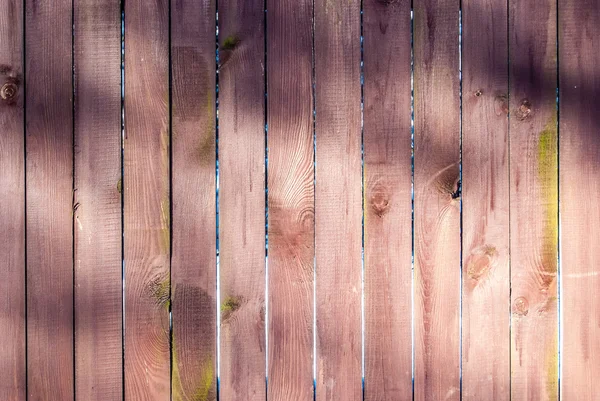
{"points": [[165, 212], [205, 387], [229, 306], [548, 177], [552, 368], [203, 391], [160, 291], [230, 42], [165, 222], [206, 148]]}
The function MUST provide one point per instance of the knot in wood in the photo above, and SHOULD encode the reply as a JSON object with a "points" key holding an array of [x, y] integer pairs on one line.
{"points": [[524, 110], [481, 261], [8, 91], [380, 200], [521, 306], [501, 104]]}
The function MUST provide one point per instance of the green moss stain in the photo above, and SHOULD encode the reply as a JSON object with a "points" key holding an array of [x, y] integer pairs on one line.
{"points": [[206, 148], [229, 305], [165, 210], [205, 386], [165, 223], [230, 42], [177, 389], [548, 177], [161, 292], [552, 368], [203, 390], [120, 186]]}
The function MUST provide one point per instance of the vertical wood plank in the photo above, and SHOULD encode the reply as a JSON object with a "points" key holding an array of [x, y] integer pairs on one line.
{"points": [[388, 210], [485, 190], [437, 204], [338, 197], [97, 198], [242, 199], [579, 193], [291, 199], [49, 192], [12, 199], [193, 262], [533, 200], [147, 200]]}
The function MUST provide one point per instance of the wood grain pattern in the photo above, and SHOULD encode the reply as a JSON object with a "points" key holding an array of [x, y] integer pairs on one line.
{"points": [[12, 199], [291, 199], [193, 261], [485, 196], [242, 200], [49, 192], [533, 200], [579, 39], [338, 197], [147, 201], [387, 191], [97, 199], [436, 204]]}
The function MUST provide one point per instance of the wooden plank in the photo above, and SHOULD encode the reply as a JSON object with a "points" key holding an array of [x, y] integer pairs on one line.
{"points": [[291, 199], [242, 200], [388, 203], [193, 262], [147, 201], [338, 200], [12, 199], [485, 196], [436, 203], [579, 39], [49, 192], [533, 200], [97, 198]]}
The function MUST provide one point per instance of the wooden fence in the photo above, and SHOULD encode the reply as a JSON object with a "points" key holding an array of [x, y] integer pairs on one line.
{"points": [[228, 200]]}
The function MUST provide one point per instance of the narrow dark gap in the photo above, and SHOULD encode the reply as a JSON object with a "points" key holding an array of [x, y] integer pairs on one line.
{"points": [[24, 66], [170, 151], [508, 72], [362, 173], [122, 151], [412, 190], [266, 168], [218, 284], [73, 190], [314, 132], [457, 195], [362, 180], [558, 264]]}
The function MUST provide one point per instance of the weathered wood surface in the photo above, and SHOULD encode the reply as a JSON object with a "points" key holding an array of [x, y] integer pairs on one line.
{"points": [[12, 199], [97, 198], [49, 192], [533, 200], [242, 200], [291, 199], [387, 203], [485, 197], [60, 157], [338, 200], [579, 40], [193, 261], [147, 201], [437, 201]]}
